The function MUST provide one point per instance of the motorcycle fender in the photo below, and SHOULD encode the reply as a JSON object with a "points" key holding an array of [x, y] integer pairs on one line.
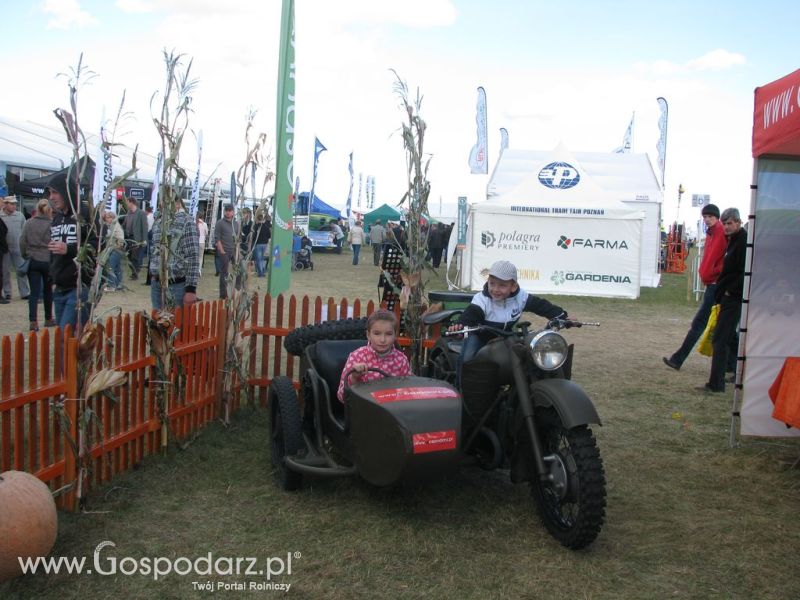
{"points": [[573, 405]]}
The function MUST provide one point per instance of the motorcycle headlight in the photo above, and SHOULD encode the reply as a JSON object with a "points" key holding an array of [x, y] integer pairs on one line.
{"points": [[549, 350]]}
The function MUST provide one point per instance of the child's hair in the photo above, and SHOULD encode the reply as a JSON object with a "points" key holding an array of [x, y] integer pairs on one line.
{"points": [[381, 315]]}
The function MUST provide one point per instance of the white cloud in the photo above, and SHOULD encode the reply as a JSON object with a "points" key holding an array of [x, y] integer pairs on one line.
{"points": [[716, 60], [66, 14]]}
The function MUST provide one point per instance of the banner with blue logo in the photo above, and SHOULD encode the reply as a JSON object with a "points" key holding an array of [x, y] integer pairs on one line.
{"points": [[627, 139], [503, 139], [350, 193], [196, 183], [318, 149], [478, 157], [156, 183], [103, 173], [661, 146]]}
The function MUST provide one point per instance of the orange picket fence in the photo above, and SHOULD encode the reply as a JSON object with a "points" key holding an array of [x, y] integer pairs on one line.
{"points": [[39, 380]]}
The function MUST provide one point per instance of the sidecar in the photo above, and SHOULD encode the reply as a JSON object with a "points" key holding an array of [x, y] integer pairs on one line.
{"points": [[396, 429]]}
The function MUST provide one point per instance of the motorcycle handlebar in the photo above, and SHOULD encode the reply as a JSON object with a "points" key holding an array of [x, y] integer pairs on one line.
{"points": [[555, 324]]}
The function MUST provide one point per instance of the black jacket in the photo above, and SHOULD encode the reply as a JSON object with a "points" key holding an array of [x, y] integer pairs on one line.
{"points": [[3, 235], [730, 282], [63, 269]]}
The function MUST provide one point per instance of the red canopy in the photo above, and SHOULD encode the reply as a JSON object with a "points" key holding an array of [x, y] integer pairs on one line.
{"points": [[776, 122]]}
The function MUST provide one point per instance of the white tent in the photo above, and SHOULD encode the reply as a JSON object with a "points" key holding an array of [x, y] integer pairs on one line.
{"points": [[29, 144], [770, 323], [624, 177], [565, 234]]}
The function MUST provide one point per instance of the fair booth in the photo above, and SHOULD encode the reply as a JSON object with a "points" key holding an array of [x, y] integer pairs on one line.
{"points": [[565, 233], [767, 399]]}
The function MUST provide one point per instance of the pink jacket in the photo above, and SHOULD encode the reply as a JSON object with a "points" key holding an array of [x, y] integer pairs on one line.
{"points": [[394, 363]]}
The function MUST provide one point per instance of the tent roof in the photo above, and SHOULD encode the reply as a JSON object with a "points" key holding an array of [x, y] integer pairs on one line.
{"points": [[624, 176], [35, 187], [530, 191], [776, 118], [317, 206], [384, 212], [29, 144]]}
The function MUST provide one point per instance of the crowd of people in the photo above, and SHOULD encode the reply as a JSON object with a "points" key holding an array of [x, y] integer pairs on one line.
{"points": [[379, 236], [49, 252]]}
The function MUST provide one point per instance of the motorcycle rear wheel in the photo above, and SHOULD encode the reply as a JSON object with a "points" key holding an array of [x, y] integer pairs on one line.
{"points": [[571, 505]]}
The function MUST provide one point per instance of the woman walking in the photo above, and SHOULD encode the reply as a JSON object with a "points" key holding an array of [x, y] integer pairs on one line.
{"points": [[356, 238], [33, 245], [115, 239]]}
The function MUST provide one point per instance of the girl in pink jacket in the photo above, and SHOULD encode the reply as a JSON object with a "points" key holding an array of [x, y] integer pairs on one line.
{"points": [[379, 353]]}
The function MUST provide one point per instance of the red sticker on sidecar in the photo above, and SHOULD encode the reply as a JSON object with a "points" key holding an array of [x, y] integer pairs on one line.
{"points": [[412, 393], [434, 441]]}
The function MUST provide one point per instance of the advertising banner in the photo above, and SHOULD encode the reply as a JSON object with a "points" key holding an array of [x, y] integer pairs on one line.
{"points": [[462, 222], [281, 242], [560, 250]]}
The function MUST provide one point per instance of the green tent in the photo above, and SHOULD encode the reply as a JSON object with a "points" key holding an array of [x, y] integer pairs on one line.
{"points": [[384, 212]]}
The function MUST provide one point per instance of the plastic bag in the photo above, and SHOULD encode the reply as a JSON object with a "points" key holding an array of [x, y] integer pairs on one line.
{"points": [[705, 347]]}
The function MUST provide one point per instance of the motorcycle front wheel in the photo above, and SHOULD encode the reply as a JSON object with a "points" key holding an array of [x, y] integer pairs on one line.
{"points": [[572, 502]]}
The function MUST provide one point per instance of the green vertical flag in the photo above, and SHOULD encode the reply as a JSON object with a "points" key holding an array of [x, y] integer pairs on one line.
{"points": [[280, 256]]}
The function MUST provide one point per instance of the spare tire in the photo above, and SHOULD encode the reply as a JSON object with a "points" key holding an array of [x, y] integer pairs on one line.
{"points": [[298, 339]]}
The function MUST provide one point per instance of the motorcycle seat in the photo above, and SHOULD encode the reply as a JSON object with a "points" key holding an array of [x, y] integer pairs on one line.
{"points": [[440, 315], [328, 358]]}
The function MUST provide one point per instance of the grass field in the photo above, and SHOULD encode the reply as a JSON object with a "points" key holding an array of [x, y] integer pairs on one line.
{"points": [[687, 516]]}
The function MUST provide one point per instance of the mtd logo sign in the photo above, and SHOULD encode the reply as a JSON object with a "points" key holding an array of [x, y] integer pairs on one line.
{"points": [[559, 176]]}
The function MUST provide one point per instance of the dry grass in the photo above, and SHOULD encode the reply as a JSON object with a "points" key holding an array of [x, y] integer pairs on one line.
{"points": [[687, 516]]}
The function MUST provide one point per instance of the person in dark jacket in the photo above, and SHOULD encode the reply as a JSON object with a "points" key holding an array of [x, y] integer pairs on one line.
{"points": [[263, 232], [3, 251], [63, 246], [730, 287], [136, 233], [33, 244]]}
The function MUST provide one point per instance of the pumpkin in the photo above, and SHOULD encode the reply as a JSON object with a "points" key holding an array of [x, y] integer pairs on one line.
{"points": [[28, 521]]}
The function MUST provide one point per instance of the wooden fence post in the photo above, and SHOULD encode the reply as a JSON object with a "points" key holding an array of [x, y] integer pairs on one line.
{"points": [[71, 410], [222, 327]]}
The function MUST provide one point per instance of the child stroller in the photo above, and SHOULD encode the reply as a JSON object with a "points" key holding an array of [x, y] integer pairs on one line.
{"points": [[303, 258]]}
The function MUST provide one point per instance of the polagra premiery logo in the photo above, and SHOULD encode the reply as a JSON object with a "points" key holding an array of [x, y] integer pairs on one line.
{"points": [[559, 176], [511, 240]]}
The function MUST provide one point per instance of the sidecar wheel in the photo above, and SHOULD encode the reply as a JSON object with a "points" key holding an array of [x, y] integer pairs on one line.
{"points": [[285, 429], [572, 504]]}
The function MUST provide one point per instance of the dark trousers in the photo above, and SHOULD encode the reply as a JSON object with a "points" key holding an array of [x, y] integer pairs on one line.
{"points": [[40, 283], [224, 263], [730, 310], [697, 327], [376, 254], [436, 256], [134, 257]]}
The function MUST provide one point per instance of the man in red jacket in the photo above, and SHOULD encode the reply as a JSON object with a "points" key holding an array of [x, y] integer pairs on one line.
{"points": [[710, 268]]}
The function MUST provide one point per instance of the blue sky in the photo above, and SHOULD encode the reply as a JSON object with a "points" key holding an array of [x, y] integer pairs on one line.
{"points": [[553, 72]]}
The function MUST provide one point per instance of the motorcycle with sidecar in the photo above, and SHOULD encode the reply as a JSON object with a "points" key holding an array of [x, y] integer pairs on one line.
{"points": [[516, 408]]}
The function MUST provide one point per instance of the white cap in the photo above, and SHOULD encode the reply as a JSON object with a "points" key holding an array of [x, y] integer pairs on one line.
{"points": [[504, 270]]}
